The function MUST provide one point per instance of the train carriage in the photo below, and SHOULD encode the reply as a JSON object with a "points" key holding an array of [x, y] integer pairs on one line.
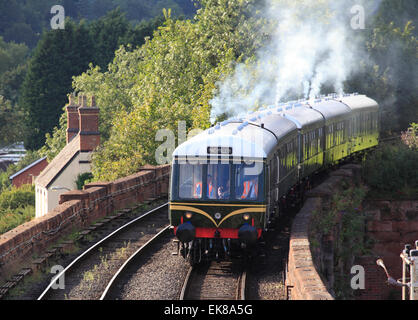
{"points": [[310, 125], [364, 121], [337, 117]]}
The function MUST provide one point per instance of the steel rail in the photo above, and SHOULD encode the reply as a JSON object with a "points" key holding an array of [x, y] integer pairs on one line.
{"points": [[186, 284], [239, 291], [241, 286], [120, 271], [94, 246]]}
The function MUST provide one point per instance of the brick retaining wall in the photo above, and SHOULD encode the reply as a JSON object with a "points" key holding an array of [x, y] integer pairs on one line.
{"points": [[303, 282], [392, 224], [78, 208]]}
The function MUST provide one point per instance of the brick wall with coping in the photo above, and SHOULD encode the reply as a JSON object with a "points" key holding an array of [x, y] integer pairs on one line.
{"points": [[391, 225], [78, 208], [303, 281]]}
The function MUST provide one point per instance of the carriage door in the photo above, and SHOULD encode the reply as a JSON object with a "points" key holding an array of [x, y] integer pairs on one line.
{"points": [[277, 186], [268, 193]]}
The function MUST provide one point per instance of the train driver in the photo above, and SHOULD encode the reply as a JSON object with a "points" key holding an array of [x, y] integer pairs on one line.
{"points": [[223, 192], [250, 189], [210, 191]]}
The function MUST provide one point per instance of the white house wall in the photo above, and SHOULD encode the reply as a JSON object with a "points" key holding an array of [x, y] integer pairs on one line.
{"points": [[65, 179]]}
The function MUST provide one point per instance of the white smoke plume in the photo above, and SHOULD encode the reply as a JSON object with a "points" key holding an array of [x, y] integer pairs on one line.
{"points": [[311, 47]]}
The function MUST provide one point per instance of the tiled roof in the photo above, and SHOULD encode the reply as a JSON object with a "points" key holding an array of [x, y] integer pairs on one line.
{"points": [[26, 168], [54, 168]]}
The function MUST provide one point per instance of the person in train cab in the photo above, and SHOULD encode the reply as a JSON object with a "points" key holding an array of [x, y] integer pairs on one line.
{"points": [[198, 190], [211, 189], [223, 192], [250, 190]]}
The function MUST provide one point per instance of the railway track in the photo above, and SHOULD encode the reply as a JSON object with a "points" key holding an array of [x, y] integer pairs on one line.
{"points": [[92, 274], [215, 281], [112, 288]]}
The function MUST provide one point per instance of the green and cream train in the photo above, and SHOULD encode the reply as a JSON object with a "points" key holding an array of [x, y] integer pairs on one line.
{"points": [[228, 182]]}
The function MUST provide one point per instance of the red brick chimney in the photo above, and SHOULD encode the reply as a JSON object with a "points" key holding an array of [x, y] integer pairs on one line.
{"points": [[72, 119], [89, 125]]}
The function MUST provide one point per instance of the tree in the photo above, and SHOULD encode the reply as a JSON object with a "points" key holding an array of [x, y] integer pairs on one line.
{"points": [[108, 34], [60, 54], [11, 55], [110, 91], [12, 68], [170, 78], [390, 67], [11, 129]]}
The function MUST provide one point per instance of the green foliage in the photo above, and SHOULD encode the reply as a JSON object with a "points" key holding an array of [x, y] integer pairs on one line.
{"points": [[137, 10], [83, 179], [56, 141], [410, 137], [14, 198], [11, 55], [392, 172], [59, 55], [171, 77], [11, 81], [14, 218], [389, 70], [62, 54], [17, 205], [11, 120], [24, 21], [345, 220]]}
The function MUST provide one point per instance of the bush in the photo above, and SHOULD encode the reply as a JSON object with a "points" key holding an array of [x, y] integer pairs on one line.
{"points": [[14, 198], [392, 172], [14, 218], [82, 179], [410, 137]]}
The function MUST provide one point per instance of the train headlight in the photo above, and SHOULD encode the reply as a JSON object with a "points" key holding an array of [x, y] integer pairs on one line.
{"points": [[188, 215], [246, 216]]}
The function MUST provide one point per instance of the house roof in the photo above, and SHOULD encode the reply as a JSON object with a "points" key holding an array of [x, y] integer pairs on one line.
{"points": [[26, 168], [59, 163]]}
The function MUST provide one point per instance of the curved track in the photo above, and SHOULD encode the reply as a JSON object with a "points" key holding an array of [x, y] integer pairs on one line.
{"points": [[215, 281], [119, 277], [109, 253]]}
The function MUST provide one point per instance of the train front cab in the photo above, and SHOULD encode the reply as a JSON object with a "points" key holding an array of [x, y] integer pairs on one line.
{"points": [[217, 206]]}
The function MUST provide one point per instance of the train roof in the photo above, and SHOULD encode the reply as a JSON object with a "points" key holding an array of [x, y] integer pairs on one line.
{"points": [[359, 102], [255, 135], [304, 117], [244, 139], [274, 122], [332, 110]]}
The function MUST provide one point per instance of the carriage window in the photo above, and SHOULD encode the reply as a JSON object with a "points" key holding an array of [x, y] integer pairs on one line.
{"points": [[248, 179], [190, 181], [218, 181]]}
